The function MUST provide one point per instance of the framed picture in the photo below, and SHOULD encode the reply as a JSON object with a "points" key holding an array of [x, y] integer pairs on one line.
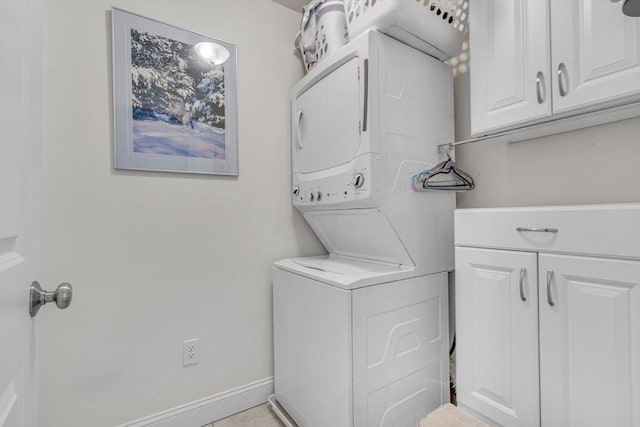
{"points": [[174, 98]]}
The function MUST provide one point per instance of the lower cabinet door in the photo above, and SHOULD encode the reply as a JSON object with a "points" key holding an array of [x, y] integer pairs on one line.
{"points": [[497, 335], [589, 341]]}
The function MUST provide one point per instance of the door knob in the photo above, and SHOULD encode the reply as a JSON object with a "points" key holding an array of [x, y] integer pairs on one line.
{"points": [[39, 297]]}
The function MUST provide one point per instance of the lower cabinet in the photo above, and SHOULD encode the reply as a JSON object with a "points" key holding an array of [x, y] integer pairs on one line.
{"points": [[589, 341], [497, 335], [547, 339]]}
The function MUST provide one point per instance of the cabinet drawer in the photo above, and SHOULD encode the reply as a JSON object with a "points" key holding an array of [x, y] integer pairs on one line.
{"points": [[605, 230]]}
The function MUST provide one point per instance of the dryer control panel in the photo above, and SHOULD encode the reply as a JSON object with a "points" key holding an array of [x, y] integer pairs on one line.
{"points": [[349, 186]]}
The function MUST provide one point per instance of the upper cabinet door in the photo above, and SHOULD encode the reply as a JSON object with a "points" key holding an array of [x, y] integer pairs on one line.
{"points": [[509, 48], [589, 341], [595, 53]]}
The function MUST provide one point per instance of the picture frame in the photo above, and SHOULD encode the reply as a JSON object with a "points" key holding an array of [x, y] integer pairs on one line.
{"points": [[174, 97]]}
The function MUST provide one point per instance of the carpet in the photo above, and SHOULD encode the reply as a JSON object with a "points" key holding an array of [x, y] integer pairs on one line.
{"points": [[449, 416]]}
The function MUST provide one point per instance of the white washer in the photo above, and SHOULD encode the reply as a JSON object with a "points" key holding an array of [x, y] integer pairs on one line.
{"points": [[361, 335], [359, 343]]}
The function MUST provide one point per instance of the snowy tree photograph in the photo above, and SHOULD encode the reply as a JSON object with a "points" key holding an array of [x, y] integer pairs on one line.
{"points": [[174, 98], [178, 100]]}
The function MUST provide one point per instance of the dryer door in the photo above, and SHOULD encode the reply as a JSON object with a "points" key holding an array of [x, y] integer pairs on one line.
{"points": [[326, 120]]}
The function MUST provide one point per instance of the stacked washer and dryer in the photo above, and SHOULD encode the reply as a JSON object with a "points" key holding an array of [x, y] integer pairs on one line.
{"points": [[361, 334]]}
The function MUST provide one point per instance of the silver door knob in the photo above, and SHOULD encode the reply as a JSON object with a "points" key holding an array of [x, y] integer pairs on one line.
{"points": [[39, 297]]}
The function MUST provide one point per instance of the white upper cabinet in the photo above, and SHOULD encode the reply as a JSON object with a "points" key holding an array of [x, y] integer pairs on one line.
{"points": [[536, 60], [510, 62], [595, 52]]}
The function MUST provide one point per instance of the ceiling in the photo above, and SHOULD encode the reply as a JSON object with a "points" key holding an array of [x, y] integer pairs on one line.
{"points": [[293, 4]]}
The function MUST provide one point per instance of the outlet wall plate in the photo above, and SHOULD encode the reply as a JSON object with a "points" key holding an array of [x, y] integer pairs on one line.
{"points": [[190, 352]]}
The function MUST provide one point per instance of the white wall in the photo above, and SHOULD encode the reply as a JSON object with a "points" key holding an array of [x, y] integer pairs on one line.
{"points": [[157, 258], [599, 164], [296, 5]]}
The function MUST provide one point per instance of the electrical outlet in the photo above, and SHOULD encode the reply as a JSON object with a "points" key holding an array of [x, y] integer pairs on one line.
{"points": [[190, 352]]}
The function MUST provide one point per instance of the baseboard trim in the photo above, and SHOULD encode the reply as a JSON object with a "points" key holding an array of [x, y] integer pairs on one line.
{"points": [[203, 411]]}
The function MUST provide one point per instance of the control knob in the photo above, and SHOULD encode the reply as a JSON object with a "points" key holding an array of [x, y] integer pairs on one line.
{"points": [[296, 190], [319, 196], [358, 180], [312, 197]]}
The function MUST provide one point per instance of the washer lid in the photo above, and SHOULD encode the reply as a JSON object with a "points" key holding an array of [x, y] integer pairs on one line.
{"points": [[342, 265], [345, 272]]}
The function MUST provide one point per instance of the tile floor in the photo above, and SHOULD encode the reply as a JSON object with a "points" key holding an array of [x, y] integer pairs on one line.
{"points": [[260, 416]]}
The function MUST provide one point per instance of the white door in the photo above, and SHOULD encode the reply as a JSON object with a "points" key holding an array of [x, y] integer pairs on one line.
{"points": [[595, 52], [497, 335], [327, 120], [20, 134], [589, 342], [510, 82]]}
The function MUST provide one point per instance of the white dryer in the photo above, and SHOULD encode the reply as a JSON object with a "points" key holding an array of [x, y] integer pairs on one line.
{"points": [[361, 335]]}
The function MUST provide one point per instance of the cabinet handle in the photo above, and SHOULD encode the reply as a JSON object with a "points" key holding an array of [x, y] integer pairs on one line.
{"points": [[299, 130], [563, 79], [538, 230], [523, 272], [541, 87], [549, 279], [365, 108]]}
